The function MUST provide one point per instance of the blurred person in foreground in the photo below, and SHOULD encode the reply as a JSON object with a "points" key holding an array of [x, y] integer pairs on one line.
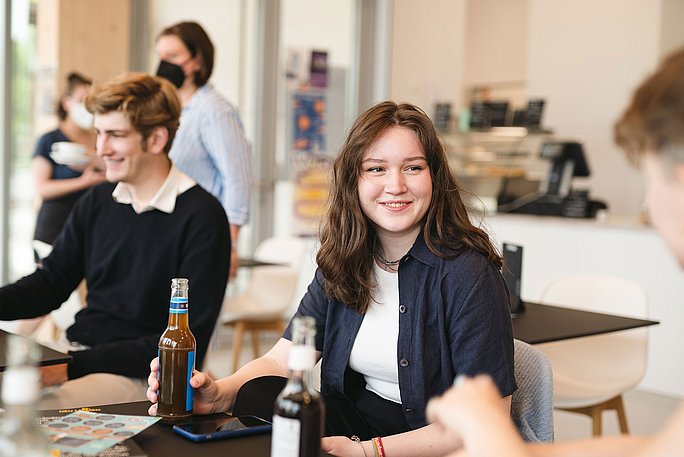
{"points": [[407, 295], [651, 132], [210, 146], [128, 238]]}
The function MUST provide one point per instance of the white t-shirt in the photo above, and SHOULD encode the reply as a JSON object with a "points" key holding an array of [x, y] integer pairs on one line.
{"points": [[374, 353]]}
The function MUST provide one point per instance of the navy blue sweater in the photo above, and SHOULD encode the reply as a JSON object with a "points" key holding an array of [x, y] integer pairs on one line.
{"points": [[128, 260]]}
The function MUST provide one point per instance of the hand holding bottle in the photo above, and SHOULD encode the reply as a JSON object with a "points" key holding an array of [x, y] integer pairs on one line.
{"points": [[207, 398]]}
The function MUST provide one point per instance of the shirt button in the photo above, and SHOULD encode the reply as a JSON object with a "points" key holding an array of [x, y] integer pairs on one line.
{"points": [[409, 411], [402, 309], [404, 362]]}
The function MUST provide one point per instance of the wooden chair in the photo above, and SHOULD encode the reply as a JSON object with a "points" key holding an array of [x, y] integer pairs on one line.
{"points": [[269, 294]]}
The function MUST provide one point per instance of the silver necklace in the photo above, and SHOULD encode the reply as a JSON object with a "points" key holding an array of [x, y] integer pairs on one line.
{"points": [[388, 264]]}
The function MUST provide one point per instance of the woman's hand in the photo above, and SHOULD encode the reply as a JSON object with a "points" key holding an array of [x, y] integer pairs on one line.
{"points": [[342, 446], [91, 176], [207, 398]]}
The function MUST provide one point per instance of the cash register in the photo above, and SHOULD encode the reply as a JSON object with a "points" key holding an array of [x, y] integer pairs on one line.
{"points": [[556, 196]]}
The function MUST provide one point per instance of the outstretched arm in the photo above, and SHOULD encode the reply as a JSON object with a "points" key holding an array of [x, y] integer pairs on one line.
{"points": [[431, 440], [470, 410]]}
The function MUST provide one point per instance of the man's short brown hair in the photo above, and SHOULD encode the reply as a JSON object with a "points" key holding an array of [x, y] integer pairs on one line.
{"points": [[654, 120], [147, 101]]}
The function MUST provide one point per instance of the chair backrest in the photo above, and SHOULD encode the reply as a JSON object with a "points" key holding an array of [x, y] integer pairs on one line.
{"points": [[272, 288], [257, 397], [599, 293], [616, 359], [281, 249], [532, 402]]}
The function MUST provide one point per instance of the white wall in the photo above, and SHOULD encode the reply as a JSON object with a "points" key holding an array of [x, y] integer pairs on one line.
{"points": [[428, 52], [220, 19], [496, 42], [585, 58]]}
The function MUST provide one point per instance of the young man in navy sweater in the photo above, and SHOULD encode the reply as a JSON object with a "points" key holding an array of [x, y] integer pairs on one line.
{"points": [[128, 238]]}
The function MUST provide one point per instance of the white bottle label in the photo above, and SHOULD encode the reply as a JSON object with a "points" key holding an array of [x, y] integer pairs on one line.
{"points": [[285, 437], [21, 385], [301, 358]]}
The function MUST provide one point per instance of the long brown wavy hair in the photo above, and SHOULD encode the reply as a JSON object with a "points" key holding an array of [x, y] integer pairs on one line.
{"points": [[348, 237]]}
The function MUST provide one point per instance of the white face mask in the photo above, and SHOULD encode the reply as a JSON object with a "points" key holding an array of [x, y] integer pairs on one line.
{"points": [[80, 115]]}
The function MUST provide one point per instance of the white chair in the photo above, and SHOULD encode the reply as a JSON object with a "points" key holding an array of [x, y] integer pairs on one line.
{"points": [[590, 374], [268, 295]]}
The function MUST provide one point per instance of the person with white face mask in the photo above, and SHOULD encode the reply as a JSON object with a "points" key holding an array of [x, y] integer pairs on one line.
{"points": [[64, 164]]}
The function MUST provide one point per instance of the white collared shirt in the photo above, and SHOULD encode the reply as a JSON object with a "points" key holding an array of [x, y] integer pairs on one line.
{"points": [[165, 199]]}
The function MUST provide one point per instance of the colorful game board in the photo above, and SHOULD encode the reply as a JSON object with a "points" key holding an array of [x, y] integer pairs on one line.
{"points": [[87, 433]]}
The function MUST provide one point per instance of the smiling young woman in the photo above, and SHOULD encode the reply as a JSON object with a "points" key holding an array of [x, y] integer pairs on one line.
{"points": [[407, 296]]}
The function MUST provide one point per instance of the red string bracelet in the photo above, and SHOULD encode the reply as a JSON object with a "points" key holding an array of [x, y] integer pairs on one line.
{"points": [[379, 448]]}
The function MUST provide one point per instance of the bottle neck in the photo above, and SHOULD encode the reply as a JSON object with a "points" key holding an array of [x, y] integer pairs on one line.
{"points": [[178, 312], [302, 379], [22, 413], [177, 320], [300, 363]]}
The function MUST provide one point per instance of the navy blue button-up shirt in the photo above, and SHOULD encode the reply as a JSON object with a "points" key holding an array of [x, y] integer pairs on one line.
{"points": [[455, 319]]}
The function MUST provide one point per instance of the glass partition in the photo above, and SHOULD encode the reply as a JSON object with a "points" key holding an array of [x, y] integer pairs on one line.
{"points": [[21, 211]]}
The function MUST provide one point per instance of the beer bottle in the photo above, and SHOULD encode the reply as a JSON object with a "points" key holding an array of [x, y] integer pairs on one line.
{"points": [[19, 433], [176, 359], [299, 412]]}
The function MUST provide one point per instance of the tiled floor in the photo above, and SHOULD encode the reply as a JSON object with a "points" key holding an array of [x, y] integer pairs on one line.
{"points": [[646, 412]]}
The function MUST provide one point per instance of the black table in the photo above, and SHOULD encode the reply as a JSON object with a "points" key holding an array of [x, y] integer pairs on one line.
{"points": [[47, 357], [159, 440], [544, 323], [249, 262]]}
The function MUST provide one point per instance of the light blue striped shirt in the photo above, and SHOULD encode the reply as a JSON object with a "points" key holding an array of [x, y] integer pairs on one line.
{"points": [[210, 147]]}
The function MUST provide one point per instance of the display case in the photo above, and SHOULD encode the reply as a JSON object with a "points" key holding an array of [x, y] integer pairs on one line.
{"points": [[500, 160]]}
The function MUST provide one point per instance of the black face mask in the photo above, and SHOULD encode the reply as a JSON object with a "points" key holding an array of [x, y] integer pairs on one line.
{"points": [[172, 72]]}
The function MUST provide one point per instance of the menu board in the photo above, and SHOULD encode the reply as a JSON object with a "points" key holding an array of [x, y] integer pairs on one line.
{"points": [[533, 116], [486, 114]]}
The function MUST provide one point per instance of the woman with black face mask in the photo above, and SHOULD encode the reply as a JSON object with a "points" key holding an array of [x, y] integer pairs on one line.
{"points": [[210, 145]]}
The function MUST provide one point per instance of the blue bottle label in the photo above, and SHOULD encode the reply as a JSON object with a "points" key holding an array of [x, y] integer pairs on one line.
{"points": [[178, 305], [189, 392]]}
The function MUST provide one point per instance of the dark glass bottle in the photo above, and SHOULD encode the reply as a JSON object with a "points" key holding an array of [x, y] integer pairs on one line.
{"points": [[299, 412], [176, 359]]}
